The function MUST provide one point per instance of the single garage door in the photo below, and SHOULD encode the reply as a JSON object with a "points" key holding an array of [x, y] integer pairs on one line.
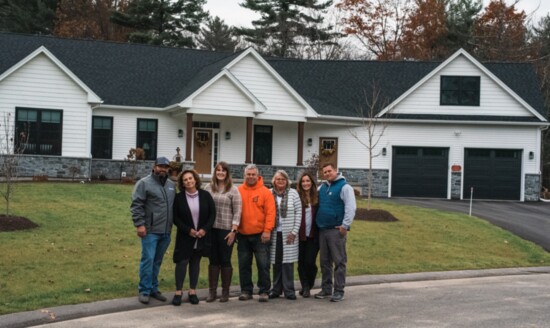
{"points": [[493, 173], [420, 172]]}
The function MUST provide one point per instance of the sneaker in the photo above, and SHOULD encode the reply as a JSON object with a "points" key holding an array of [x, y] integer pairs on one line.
{"points": [[245, 297], [322, 294], [273, 295], [176, 301], [263, 298], [337, 297], [143, 298], [158, 296]]}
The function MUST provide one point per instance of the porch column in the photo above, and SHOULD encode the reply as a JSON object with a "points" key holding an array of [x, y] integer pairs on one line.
{"points": [[300, 157], [189, 137], [248, 158]]}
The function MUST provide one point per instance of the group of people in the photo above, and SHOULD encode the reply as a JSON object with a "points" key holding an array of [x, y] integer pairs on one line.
{"points": [[278, 226]]}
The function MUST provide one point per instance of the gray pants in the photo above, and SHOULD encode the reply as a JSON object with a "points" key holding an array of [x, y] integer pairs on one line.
{"points": [[333, 252]]}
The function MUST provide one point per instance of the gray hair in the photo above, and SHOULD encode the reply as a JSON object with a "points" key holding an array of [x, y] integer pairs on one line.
{"points": [[284, 175], [251, 167]]}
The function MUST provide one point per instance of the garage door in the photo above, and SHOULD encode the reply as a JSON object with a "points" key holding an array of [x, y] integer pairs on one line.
{"points": [[419, 172], [494, 173]]}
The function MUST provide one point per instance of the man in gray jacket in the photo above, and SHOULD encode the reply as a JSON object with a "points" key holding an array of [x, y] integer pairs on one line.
{"points": [[152, 213]]}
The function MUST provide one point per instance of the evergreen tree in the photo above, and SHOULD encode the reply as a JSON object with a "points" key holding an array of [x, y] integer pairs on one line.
{"points": [[461, 16], [217, 36], [162, 22], [286, 24], [27, 16]]}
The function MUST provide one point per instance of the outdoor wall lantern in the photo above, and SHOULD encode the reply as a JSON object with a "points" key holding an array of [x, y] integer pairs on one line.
{"points": [[180, 133], [384, 151], [531, 155], [227, 135], [309, 142]]}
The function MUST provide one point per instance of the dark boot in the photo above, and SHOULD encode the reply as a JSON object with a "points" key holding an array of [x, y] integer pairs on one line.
{"points": [[213, 276], [227, 274]]}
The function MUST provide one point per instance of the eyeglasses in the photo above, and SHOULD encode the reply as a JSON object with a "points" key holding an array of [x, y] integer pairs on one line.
{"points": [[280, 179]]}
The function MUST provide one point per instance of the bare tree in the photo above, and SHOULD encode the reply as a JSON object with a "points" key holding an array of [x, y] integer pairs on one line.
{"points": [[374, 125], [11, 150]]}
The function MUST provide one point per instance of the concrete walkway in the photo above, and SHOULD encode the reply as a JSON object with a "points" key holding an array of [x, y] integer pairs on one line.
{"points": [[470, 298]]}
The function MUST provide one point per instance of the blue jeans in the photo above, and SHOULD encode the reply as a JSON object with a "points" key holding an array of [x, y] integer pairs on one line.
{"points": [[153, 247], [248, 246]]}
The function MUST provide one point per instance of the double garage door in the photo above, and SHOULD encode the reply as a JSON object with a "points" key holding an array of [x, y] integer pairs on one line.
{"points": [[424, 171]]}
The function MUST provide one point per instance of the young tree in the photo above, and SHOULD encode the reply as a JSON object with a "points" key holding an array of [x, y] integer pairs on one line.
{"points": [[162, 22], [501, 33], [286, 24], [217, 36], [90, 19], [27, 16], [12, 146], [424, 31], [378, 24], [374, 126]]}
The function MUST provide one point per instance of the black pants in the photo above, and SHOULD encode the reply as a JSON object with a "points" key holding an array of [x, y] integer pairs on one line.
{"points": [[283, 273], [194, 270], [307, 266], [220, 253]]}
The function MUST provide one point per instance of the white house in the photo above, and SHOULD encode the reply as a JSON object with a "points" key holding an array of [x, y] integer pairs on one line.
{"points": [[450, 125]]}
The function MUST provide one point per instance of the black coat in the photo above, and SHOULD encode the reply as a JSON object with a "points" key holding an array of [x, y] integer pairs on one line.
{"points": [[184, 221]]}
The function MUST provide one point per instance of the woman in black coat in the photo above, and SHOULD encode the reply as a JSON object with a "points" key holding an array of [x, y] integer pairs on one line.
{"points": [[194, 215]]}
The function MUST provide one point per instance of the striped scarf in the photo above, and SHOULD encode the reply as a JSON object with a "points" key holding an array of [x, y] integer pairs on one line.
{"points": [[282, 209]]}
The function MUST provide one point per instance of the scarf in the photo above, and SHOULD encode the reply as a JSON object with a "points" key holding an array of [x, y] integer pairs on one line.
{"points": [[281, 210]]}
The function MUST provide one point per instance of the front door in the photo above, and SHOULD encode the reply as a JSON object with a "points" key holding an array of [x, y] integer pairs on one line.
{"points": [[328, 152], [202, 151], [263, 140]]}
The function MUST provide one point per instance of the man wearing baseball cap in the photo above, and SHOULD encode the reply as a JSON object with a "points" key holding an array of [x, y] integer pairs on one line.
{"points": [[151, 208]]}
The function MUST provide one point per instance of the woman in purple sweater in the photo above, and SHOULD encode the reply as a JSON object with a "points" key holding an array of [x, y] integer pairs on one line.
{"points": [[194, 215]]}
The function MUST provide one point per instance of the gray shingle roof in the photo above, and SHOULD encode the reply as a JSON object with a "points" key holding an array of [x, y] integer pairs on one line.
{"points": [[152, 76]]}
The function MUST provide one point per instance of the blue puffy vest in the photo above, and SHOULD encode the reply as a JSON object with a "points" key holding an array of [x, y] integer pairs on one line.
{"points": [[331, 207]]}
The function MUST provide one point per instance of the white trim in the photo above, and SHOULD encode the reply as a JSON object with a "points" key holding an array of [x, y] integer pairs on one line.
{"points": [[249, 51], [92, 96], [142, 108], [462, 52], [258, 106]]}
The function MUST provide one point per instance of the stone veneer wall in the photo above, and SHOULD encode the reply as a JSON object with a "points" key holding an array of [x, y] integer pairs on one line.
{"points": [[456, 184], [56, 167], [532, 187]]}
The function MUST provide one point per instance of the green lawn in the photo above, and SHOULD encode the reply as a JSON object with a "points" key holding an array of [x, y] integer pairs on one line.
{"points": [[85, 248]]}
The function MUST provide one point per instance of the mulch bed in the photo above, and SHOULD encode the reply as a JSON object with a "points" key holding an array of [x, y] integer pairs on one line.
{"points": [[15, 223], [376, 215]]}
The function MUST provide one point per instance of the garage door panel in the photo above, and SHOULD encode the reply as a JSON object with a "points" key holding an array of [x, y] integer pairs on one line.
{"points": [[419, 172], [494, 173]]}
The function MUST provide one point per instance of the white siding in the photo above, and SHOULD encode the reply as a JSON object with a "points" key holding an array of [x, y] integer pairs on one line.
{"points": [[42, 84], [493, 99], [223, 95], [125, 131], [351, 154], [268, 90]]}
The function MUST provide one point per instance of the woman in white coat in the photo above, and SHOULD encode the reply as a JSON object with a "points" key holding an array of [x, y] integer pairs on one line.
{"points": [[284, 247]]}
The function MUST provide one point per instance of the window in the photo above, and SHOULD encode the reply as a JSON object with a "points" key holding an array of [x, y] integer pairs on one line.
{"points": [[460, 90], [147, 137], [43, 127], [102, 137]]}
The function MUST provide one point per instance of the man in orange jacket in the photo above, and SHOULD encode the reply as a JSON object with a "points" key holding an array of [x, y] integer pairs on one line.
{"points": [[257, 221]]}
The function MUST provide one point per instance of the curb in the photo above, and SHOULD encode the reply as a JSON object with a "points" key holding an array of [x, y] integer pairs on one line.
{"points": [[69, 312]]}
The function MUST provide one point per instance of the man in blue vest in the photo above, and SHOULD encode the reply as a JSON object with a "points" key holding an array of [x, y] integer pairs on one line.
{"points": [[334, 217]]}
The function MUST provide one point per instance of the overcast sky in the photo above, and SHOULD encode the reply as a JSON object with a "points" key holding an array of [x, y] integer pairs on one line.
{"points": [[233, 14]]}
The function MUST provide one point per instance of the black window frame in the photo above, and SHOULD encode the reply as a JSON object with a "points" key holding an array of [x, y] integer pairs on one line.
{"points": [[149, 137], [102, 142], [42, 134], [457, 90]]}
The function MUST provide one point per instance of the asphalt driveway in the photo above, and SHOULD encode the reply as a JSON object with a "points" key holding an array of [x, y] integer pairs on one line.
{"points": [[530, 221]]}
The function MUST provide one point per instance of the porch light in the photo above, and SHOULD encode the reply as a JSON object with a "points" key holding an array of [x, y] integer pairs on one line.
{"points": [[309, 142], [227, 135], [531, 155], [180, 133], [384, 151]]}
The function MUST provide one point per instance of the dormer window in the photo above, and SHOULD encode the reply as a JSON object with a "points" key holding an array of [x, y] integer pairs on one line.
{"points": [[459, 91]]}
